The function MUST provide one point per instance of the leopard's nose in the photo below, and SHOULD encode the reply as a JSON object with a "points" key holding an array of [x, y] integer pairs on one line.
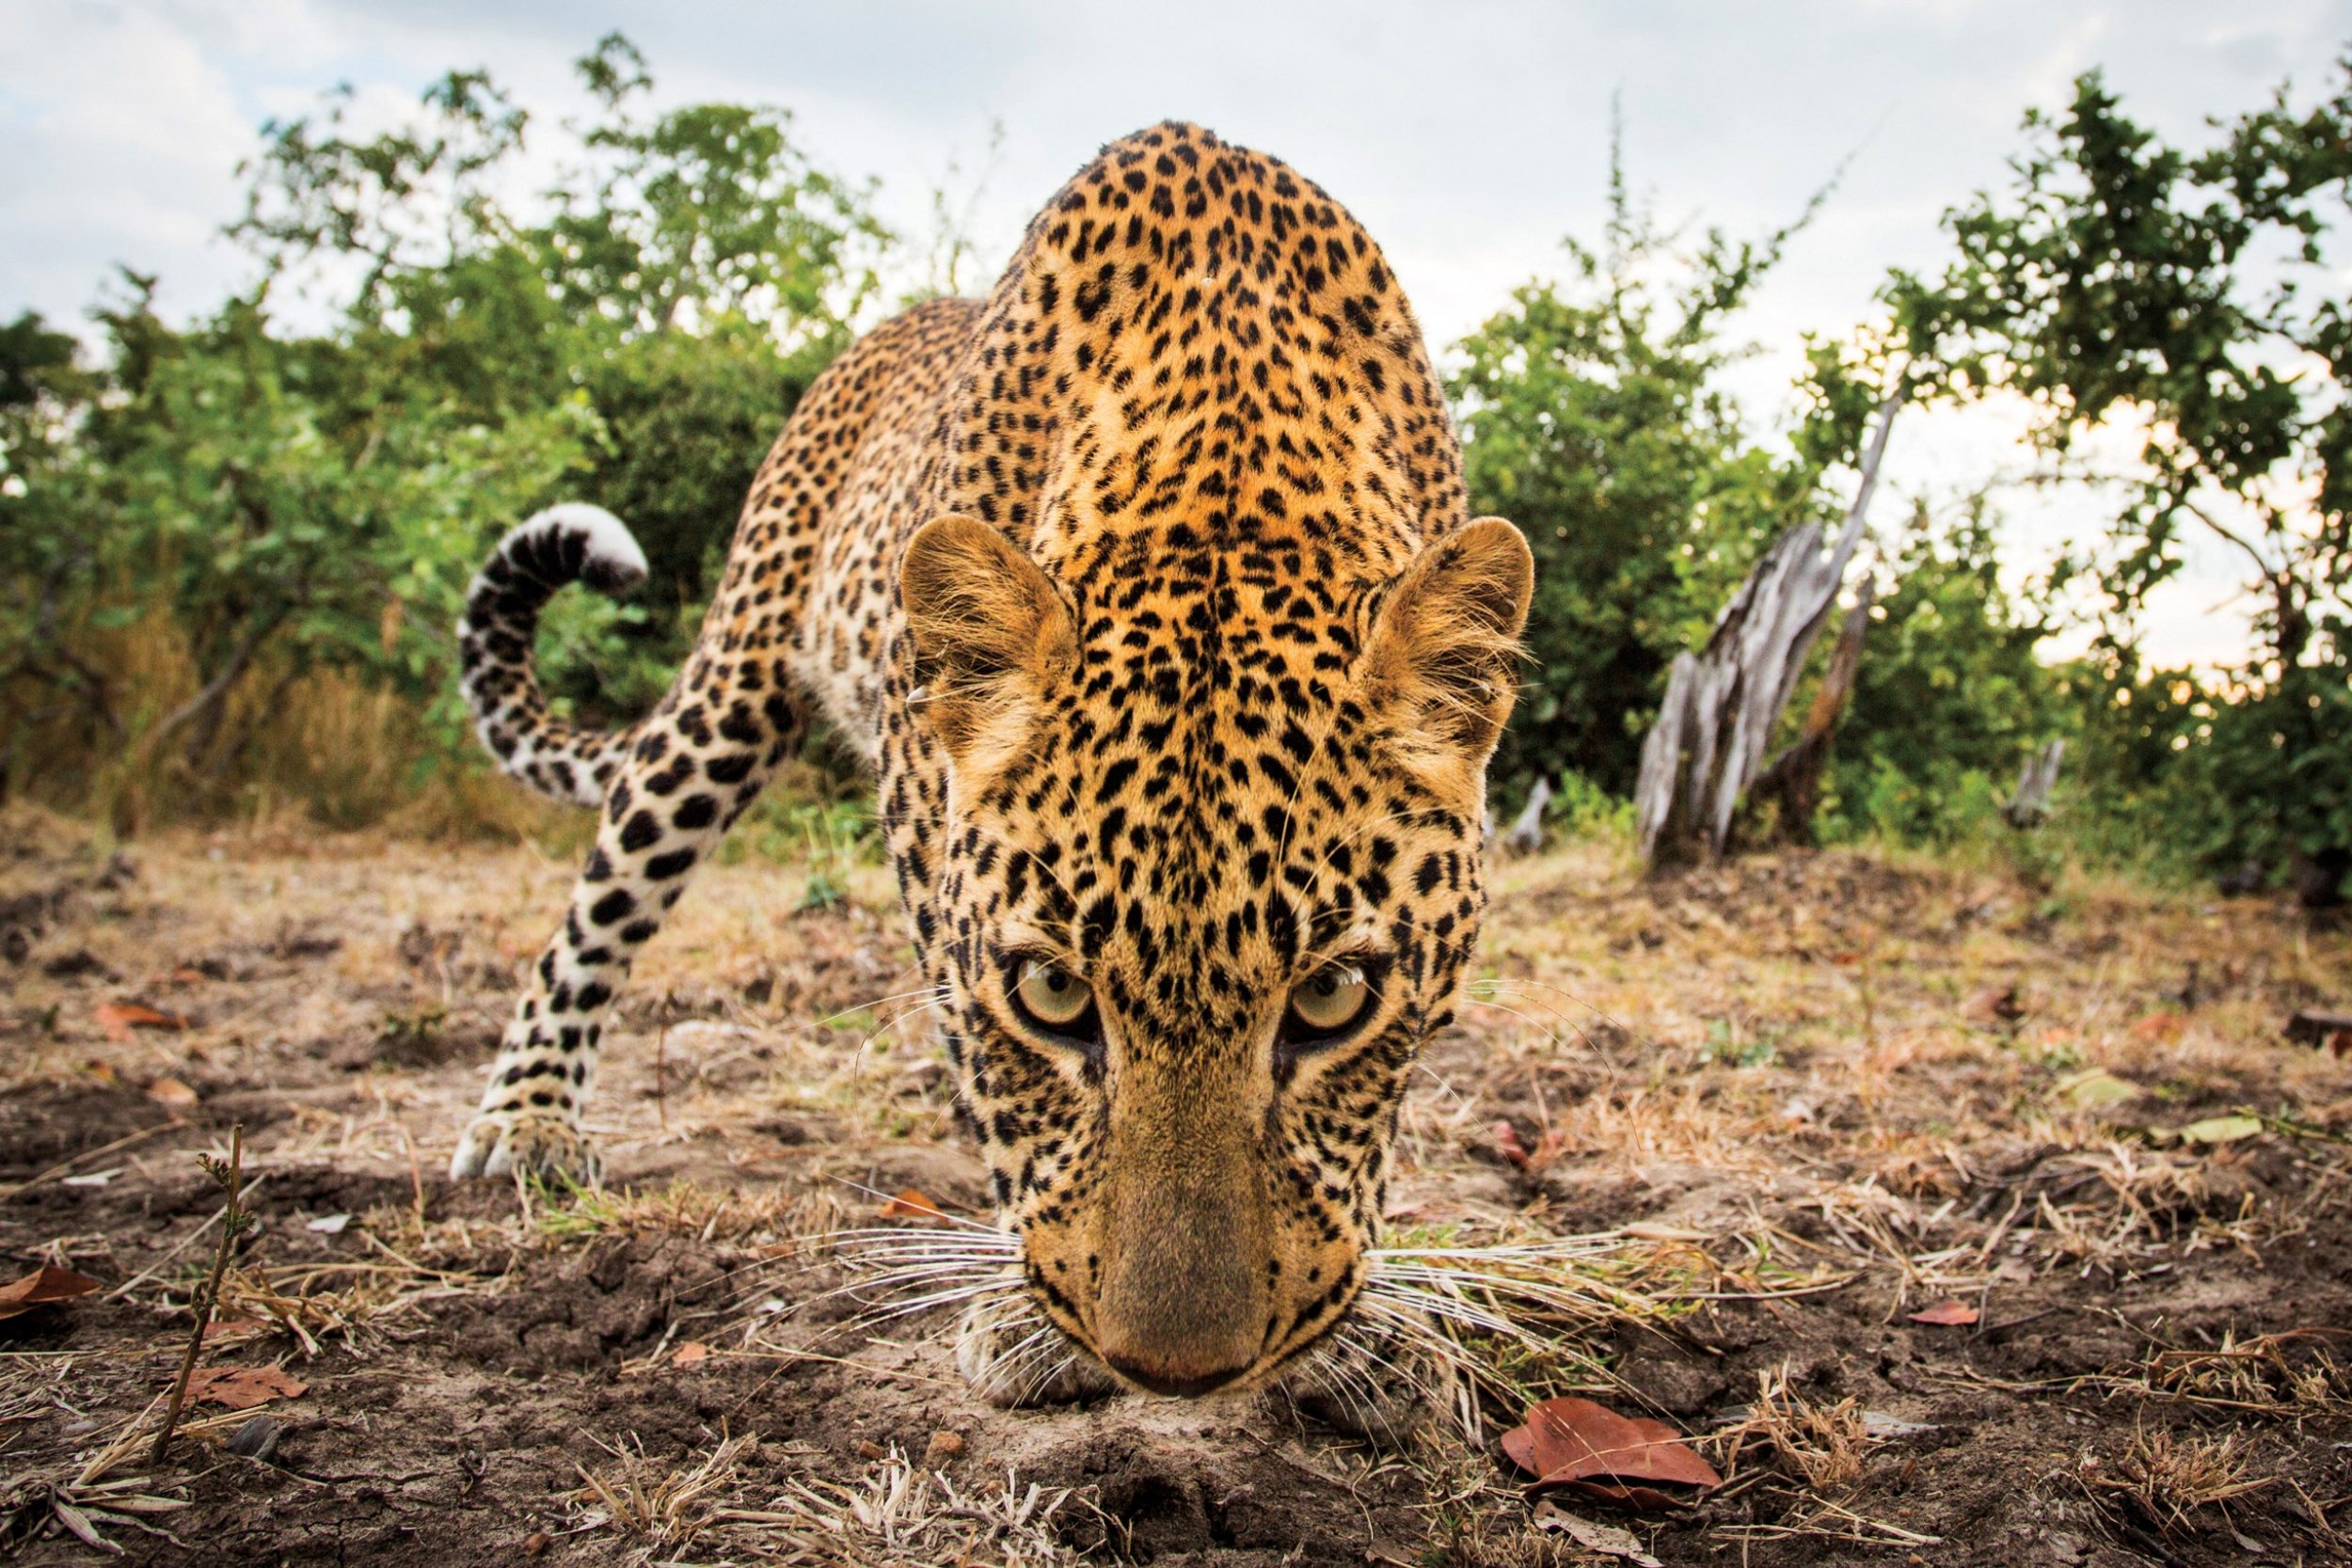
{"points": [[1185, 1388]]}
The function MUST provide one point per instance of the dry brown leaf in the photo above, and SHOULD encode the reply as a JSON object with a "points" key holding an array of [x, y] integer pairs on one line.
{"points": [[172, 1092], [1569, 1441], [691, 1354], [1947, 1314], [1594, 1536], [118, 1019], [243, 1387], [910, 1203], [44, 1285]]}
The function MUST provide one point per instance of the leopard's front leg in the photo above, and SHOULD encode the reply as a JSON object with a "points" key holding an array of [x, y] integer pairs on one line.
{"points": [[696, 762]]}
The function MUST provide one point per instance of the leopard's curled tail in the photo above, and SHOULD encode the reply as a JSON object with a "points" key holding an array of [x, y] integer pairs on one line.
{"points": [[572, 543]]}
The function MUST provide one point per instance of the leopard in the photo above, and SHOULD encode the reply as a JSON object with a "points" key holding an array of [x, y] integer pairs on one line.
{"points": [[1145, 587]]}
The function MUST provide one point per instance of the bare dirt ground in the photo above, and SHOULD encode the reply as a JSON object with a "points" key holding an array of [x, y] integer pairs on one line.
{"points": [[1793, 1103]]}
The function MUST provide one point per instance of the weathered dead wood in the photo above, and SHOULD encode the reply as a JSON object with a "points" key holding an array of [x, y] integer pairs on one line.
{"points": [[1723, 702], [1792, 781], [2031, 806], [1526, 833]]}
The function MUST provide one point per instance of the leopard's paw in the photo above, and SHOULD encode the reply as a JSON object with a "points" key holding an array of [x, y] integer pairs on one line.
{"points": [[537, 1143], [1381, 1385], [1014, 1358]]}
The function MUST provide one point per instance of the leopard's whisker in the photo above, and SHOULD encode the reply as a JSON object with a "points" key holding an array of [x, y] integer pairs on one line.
{"points": [[1550, 1249], [890, 1311], [1501, 981], [1554, 1037], [1475, 1373], [1365, 1348], [1045, 1380], [1344, 1380], [868, 1275], [951, 1245], [1041, 1366], [938, 994], [1445, 1307], [918, 1247], [1010, 1370], [986, 1236], [899, 1278], [1484, 993], [892, 1022], [957, 1220], [1574, 1298]]}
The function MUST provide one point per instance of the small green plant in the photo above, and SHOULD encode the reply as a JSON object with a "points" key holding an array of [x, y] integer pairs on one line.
{"points": [[1724, 1044], [2058, 1053], [419, 1026], [1584, 809], [565, 1209]]}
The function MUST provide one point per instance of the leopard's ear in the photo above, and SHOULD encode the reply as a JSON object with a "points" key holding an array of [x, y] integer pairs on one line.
{"points": [[989, 630], [1441, 658]]}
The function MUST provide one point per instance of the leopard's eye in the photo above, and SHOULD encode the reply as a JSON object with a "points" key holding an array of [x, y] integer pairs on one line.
{"points": [[1332, 998], [1051, 996]]}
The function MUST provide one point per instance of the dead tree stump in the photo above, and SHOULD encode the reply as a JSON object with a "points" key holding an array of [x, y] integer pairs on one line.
{"points": [[2031, 806], [1792, 781], [1722, 703]]}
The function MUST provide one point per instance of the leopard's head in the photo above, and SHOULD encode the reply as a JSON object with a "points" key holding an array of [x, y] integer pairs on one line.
{"points": [[1212, 874]]}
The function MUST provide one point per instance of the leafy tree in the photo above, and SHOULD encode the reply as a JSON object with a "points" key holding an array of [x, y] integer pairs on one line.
{"points": [[1950, 694], [2193, 301], [199, 521], [1593, 417], [690, 279]]}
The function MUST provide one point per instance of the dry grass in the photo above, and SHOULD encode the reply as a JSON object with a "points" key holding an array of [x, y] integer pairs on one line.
{"points": [[1761, 1094], [902, 1516], [2167, 1478], [760, 1217], [304, 1303], [660, 1505], [1823, 1446]]}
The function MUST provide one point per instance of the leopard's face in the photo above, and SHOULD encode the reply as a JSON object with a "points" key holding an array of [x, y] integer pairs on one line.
{"points": [[1199, 918]]}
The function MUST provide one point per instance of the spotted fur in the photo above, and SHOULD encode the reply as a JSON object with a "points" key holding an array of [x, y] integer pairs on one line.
{"points": [[572, 543], [1146, 588]]}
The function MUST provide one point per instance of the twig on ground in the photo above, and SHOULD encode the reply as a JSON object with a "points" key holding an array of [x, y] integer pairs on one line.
{"points": [[234, 1222]]}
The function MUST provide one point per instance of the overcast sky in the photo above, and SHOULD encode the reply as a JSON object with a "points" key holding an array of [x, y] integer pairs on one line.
{"points": [[1467, 136]]}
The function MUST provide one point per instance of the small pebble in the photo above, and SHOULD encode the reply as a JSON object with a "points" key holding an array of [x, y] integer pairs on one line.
{"points": [[868, 1449], [944, 1445]]}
